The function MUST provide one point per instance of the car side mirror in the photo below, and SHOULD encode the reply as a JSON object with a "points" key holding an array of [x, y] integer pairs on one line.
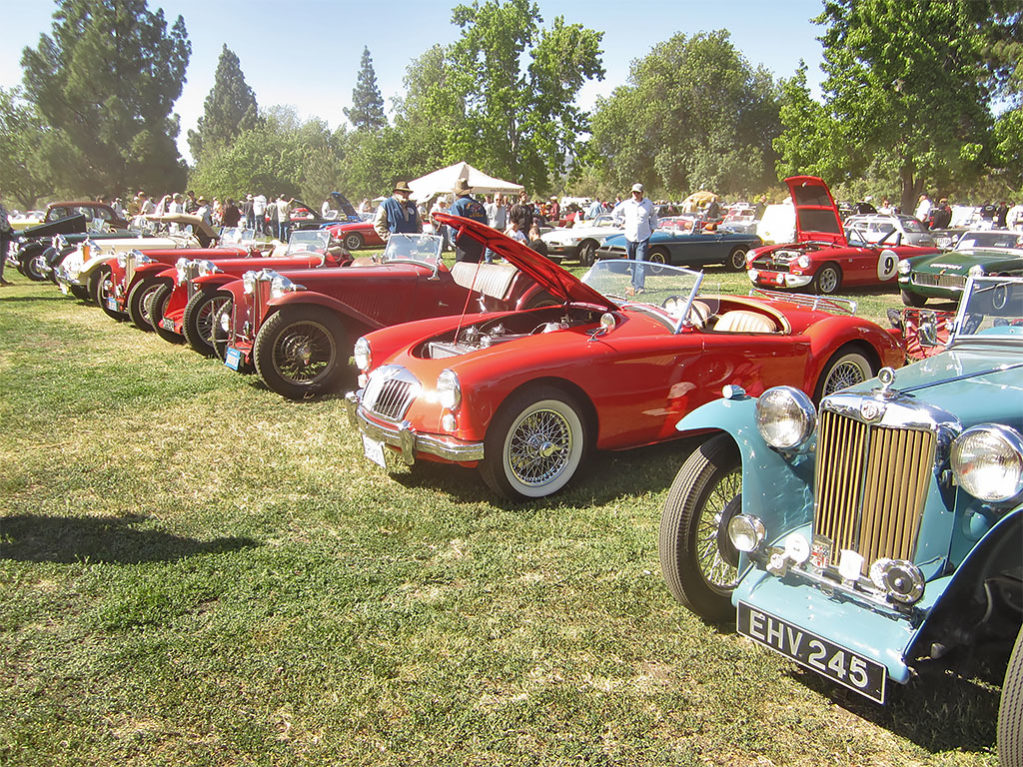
{"points": [[927, 332]]}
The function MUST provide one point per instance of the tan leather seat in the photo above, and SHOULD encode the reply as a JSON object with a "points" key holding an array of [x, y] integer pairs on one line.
{"points": [[741, 321], [699, 313]]}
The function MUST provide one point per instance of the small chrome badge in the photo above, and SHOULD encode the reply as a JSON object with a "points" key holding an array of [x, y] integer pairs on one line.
{"points": [[820, 552]]}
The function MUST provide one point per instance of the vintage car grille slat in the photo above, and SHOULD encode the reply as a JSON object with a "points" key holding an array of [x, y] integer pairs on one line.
{"points": [[393, 399], [191, 272], [871, 485], [390, 392], [939, 280]]}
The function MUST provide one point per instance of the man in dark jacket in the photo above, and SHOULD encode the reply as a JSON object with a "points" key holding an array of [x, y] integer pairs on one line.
{"points": [[467, 248]]}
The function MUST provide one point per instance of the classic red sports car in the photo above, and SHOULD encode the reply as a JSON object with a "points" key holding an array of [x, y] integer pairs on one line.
{"points": [[823, 256], [297, 327], [524, 395], [357, 235], [189, 294]]}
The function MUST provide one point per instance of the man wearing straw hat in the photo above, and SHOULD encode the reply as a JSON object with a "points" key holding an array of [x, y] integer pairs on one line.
{"points": [[467, 248], [397, 214]]}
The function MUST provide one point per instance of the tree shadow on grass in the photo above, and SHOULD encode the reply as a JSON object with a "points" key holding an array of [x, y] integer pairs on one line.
{"points": [[951, 705], [117, 540]]}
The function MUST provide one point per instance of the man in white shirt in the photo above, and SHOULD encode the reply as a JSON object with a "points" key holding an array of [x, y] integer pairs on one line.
{"points": [[1014, 218], [259, 212], [639, 219], [923, 209]]}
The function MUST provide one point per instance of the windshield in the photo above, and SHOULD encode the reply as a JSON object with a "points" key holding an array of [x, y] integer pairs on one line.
{"points": [[994, 239], [991, 310], [236, 236], [309, 241], [422, 248], [667, 293]]}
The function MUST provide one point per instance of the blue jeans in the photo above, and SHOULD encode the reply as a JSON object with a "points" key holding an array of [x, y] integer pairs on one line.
{"points": [[636, 251]]}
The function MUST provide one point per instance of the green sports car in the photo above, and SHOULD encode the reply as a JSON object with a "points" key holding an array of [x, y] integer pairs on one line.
{"points": [[942, 276]]}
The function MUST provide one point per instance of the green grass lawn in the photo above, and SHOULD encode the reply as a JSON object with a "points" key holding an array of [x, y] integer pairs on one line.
{"points": [[196, 571]]}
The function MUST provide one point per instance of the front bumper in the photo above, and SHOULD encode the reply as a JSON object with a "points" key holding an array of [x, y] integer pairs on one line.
{"points": [[409, 443], [778, 279]]}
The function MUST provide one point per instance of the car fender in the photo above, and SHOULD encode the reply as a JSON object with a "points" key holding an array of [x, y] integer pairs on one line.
{"points": [[833, 333], [155, 269], [306, 297], [214, 281]]}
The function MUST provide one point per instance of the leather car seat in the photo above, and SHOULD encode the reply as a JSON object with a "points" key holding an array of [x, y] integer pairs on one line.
{"points": [[741, 321]]}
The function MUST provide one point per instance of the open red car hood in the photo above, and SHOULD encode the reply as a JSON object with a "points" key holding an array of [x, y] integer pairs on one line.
{"points": [[817, 216], [558, 282]]}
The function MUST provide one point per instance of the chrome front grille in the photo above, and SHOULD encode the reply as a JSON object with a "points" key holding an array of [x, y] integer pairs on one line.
{"points": [[953, 281], [190, 271], [130, 265], [871, 486], [390, 392]]}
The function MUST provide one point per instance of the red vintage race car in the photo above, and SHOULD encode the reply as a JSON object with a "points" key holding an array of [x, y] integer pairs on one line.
{"points": [[823, 256], [524, 395], [357, 235], [189, 294], [296, 328]]}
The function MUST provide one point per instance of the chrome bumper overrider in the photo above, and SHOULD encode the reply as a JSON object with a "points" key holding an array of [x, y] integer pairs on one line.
{"points": [[407, 441]]}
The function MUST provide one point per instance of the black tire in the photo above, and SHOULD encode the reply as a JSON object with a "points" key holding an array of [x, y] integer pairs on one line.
{"points": [[658, 256], [827, 280], [197, 321], [102, 286], [35, 267], [81, 292], [302, 351], [138, 296], [737, 259], [698, 561], [846, 367], [912, 299], [353, 241], [587, 252], [1010, 710], [157, 307], [516, 465]]}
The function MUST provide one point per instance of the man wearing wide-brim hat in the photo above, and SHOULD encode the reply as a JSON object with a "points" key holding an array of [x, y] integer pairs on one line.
{"points": [[397, 214], [467, 248]]}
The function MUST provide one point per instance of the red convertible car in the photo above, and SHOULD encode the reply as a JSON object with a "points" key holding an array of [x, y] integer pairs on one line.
{"points": [[190, 295], [524, 395], [357, 235], [297, 327], [823, 256]]}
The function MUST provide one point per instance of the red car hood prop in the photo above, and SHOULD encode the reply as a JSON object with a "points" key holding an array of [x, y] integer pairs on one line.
{"points": [[558, 282], [817, 218]]}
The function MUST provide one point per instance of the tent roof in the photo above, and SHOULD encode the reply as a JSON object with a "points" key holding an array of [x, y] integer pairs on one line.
{"points": [[443, 182]]}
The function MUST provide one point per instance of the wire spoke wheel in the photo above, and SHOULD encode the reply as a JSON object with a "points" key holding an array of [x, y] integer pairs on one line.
{"points": [[304, 352], [539, 447]]}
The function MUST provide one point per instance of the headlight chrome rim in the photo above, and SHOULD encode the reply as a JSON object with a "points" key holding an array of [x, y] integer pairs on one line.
{"points": [[363, 354], [449, 390], [786, 418], [987, 461]]}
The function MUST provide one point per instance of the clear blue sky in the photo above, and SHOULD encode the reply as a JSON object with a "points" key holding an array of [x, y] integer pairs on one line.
{"points": [[306, 53]]}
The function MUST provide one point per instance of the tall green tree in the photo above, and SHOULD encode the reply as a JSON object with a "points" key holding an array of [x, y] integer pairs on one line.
{"points": [[229, 109], [105, 84], [367, 110], [517, 82], [906, 83], [20, 130], [695, 114]]}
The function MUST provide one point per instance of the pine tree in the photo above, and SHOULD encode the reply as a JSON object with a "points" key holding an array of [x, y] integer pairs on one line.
{"points": [[229, 109], [367, 112]]}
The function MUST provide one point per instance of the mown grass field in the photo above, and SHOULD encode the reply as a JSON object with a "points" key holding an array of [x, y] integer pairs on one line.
{"points": [[196, 571]]}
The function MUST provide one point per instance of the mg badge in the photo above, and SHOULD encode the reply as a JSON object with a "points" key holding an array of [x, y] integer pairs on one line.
{"points": [[820, 552], [871, 410]]}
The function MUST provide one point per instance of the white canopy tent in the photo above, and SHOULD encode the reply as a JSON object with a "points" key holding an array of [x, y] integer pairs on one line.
{"points": [[443, 182]]}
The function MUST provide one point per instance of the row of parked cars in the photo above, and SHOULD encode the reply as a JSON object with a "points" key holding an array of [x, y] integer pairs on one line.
{"points": [[860, 526]]}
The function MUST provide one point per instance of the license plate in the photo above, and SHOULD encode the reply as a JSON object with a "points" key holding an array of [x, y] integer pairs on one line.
{"points": [[111, 303], [374, 451], [167, 323], [233, 358], [862, 675]]}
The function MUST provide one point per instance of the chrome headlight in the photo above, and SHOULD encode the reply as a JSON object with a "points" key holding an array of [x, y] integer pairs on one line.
{"points": [[746, 532], [904, 267], [281, 285], [987, 461], [785, 418], [205, 267], [449, 390], [803, 262], [976, 271], [181, 266], [225, 320], [363, 354], [249, 282]]}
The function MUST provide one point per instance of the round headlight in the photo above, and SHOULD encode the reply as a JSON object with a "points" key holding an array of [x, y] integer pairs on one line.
{"points": [[249, 283], [180, 266], [785, 417], [746, 532], [904, 267], [363, 354], [225, 320], [987, 461], [281, 285], [803, 262], [976, 271], [449, 390], [207, 267]]}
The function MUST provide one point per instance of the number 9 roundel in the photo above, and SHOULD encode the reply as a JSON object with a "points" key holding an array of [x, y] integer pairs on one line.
{"points": [[887, 261]]}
